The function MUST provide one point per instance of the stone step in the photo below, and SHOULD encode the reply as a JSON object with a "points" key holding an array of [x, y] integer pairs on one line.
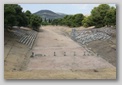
{"points": [[27, 39], [33, 39], [30, 40], [23, 39]]}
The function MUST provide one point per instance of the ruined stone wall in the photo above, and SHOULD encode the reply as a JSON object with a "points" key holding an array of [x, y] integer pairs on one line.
{"points": [[87, 36]]}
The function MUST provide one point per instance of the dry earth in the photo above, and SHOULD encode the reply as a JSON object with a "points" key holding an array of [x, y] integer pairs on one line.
{"points": [[59, 57]]}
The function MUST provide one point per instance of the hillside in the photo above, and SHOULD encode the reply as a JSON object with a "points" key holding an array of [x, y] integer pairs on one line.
{"points": [[49, 14]]}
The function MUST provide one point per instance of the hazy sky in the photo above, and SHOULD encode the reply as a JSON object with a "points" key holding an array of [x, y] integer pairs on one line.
{"points": [[61, 8]]}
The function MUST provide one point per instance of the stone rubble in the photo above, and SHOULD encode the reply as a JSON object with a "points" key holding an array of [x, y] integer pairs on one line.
{"points": [[85, 37]]}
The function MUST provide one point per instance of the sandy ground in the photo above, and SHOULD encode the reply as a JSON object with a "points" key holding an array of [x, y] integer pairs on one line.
{"points": [[16, 55], [63, 74], [59, 57], [108, 51], [49, 42]]}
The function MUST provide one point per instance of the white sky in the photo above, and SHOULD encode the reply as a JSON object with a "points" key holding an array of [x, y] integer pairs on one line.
{"points": [[62, 8]]}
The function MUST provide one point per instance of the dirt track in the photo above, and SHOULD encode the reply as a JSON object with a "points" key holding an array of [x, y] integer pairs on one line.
{"points": [[73, 64], [50, 41]]}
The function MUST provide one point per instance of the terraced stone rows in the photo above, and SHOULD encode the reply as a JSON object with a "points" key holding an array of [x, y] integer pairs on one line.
{"points": [[96, 36], [28, 39], [90, 35], [24, 37]]}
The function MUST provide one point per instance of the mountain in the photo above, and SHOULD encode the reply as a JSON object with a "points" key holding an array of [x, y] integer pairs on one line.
{"points": [[49, 14]]}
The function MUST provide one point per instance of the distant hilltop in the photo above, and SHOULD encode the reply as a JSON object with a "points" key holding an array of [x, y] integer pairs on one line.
{"points": [[48, 14]]}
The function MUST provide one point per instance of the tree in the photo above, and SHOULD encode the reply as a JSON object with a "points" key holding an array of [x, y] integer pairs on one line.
{"points": [[78, 19], [98, 14], [87, 21], [9, 16], [110, 18], [13, 15], [55, 22], [35, 22], [49, 21], [45, 20], [28, 16], [69, 20]]}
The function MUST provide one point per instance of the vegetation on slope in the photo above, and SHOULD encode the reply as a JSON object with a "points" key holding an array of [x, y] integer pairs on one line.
{"points": [[103, 15], [13, 16]]}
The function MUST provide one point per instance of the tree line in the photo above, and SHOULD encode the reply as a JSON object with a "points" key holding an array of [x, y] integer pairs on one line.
{"points": [[103, 15], [68, 20], [100, 16], [14, 16]]}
